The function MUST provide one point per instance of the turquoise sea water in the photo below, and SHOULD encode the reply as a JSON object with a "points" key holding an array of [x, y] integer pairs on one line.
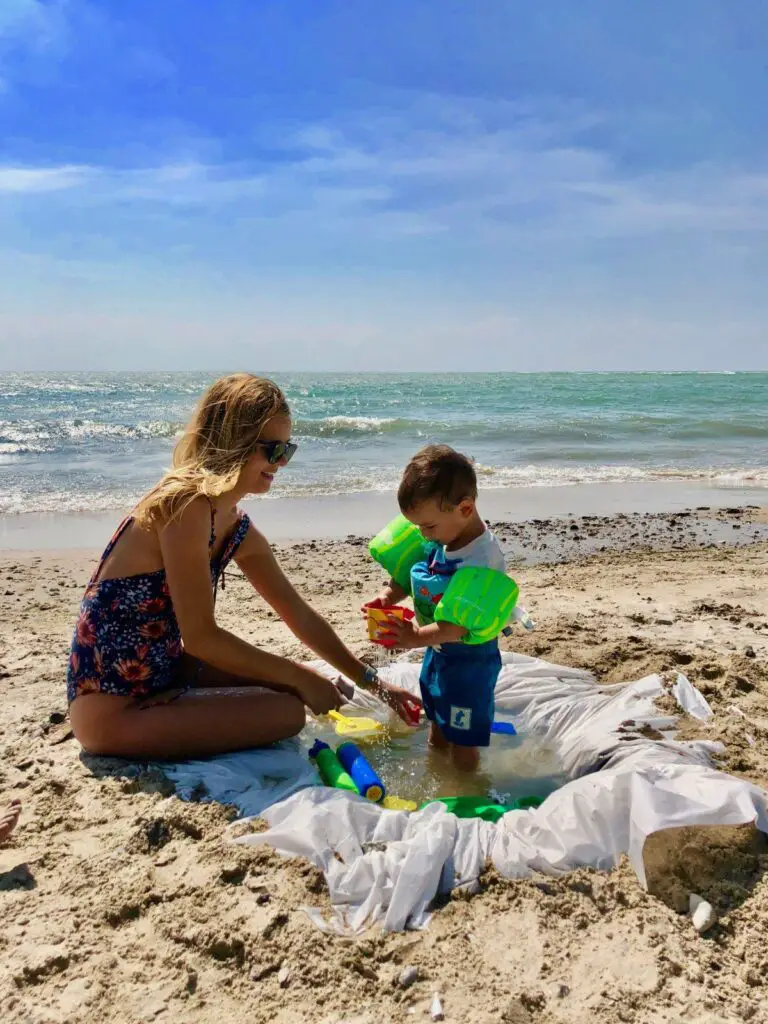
{"points": [[80, 441]]}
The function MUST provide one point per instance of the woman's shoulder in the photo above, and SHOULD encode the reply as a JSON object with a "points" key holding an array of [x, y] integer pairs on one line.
{"points": [[195, 519], [252, 540]]}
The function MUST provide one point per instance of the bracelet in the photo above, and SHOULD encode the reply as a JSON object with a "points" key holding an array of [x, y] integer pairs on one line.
{"points": [[370, 676]]}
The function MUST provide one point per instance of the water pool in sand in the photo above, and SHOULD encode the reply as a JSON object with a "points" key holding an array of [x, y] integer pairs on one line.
{"points": [[513, 766]]}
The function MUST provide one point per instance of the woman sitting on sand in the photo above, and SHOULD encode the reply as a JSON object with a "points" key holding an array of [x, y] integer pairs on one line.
{"points": [[147, 633]]}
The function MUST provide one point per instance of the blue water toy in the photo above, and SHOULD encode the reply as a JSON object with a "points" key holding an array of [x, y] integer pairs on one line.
{"points": [[505, 728], [329, 768], [368, 783]]}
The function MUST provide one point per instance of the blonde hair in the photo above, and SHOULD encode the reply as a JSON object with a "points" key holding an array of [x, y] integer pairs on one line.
{"points": [[215, 445]]}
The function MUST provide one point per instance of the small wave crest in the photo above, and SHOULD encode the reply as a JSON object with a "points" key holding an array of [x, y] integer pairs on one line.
{"points": [[36, 437], [346, 426], [554, 476], [357, 480]]}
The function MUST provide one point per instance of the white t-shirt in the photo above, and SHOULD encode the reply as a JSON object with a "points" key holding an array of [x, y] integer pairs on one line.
{"points": [[430, 578], [484, 551]]}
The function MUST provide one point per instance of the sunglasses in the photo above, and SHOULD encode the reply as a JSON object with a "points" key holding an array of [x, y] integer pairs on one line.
{"points": [[277, 451]]}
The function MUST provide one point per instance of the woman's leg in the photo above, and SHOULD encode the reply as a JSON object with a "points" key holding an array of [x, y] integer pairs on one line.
{"points": [[196, 673], [196, 724]]}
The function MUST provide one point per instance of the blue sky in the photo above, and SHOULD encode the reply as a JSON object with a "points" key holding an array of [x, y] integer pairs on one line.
{"points": [[494, 184]]}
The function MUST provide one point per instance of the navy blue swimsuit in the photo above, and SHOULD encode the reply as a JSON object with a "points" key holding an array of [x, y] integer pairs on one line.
{"points": [[127, 640]]}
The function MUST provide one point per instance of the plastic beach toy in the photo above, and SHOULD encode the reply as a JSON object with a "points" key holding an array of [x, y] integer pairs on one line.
{"points": [[482, 807], [330, 769], [505, 728], [360, 728], [396, 803], [377, 622], [360, 771]]}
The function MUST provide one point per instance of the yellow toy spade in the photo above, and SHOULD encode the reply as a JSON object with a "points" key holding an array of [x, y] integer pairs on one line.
{"points": [[357, 728]]}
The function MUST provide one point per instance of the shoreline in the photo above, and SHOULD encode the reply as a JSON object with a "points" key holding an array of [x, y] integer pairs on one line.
{"points": [[334, 517]]}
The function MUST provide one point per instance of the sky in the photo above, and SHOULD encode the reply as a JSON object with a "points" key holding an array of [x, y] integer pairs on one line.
{"points": [[409, 185]]}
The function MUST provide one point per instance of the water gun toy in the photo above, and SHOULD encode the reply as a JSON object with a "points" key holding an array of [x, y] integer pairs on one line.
{"points": [[378, 620], [360, 771], [330, 769], [360, 728], [480, 600]]}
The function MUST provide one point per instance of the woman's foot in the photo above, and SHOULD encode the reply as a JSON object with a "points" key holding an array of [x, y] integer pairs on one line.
{"points": [[9, 818]]}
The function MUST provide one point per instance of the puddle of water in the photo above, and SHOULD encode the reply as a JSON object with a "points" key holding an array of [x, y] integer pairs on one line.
{"points": [[514, 766]]}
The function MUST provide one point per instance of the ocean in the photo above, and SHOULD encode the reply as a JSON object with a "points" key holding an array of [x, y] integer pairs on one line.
{"points": [[95, 441]]}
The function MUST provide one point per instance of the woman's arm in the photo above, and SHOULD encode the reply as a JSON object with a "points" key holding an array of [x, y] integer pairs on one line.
{"points": [[184, 547], [261, 568]]}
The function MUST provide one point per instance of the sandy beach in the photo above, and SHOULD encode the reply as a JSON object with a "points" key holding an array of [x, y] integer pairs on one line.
{"points": [[120, 903]]}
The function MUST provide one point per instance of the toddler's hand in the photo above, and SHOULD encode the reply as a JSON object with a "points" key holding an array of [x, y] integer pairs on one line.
{"points": [[400, 700], [377, 602], [403, 633]]}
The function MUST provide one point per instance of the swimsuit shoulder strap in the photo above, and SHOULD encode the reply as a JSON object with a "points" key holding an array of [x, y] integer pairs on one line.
{"points": [[212, 537], [236, 539], [109, 548]]}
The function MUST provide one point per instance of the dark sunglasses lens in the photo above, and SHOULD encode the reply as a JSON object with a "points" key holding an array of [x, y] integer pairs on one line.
{"points": [[281, 450]]}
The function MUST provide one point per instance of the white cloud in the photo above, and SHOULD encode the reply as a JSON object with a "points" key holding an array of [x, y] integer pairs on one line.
{"points": [[466, 173], [21, 180]]}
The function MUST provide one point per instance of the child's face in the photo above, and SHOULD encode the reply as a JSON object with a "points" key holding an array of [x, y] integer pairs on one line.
{"points": [[443, 524], [258, 472]]}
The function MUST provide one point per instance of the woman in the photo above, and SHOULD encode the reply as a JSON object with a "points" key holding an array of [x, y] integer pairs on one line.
{"points": [[151, 673]]}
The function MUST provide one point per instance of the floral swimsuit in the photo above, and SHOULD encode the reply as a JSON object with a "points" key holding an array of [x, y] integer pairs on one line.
{"points": [[127, 640]]}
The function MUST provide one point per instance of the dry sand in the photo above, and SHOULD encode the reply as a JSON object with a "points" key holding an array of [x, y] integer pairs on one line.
{"points": [[120, 903]]}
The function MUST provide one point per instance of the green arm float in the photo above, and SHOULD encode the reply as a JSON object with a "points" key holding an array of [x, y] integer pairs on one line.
{"points": [[481, 600], [398, 547]]}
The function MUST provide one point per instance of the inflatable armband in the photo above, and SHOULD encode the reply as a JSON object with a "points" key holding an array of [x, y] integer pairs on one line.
{"points": [[397, 549], [481, 600]]}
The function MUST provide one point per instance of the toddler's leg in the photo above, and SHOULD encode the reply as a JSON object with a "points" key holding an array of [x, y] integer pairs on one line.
{"points": [[465, 759], [436, 738]]}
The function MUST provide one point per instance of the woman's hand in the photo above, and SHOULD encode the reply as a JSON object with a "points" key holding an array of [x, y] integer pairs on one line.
{"points": [[318, 693]]}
